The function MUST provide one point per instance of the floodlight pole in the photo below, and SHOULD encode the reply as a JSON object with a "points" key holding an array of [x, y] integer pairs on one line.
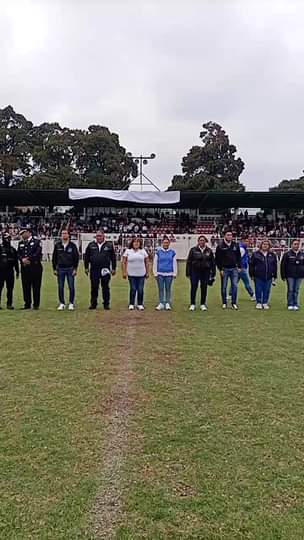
{"points": [[143, 160]]}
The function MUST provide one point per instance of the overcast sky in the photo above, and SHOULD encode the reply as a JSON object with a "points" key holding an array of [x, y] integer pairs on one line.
{"points": [[155, 71]]}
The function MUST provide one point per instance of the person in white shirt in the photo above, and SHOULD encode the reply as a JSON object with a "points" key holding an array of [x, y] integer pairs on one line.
{"points": [[135, 267]]}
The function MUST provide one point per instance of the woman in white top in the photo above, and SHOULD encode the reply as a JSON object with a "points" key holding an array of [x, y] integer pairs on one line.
{"points": [[135, 267]]}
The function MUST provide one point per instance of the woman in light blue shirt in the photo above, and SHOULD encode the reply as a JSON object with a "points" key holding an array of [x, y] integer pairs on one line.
{"points": [[165, 270]]}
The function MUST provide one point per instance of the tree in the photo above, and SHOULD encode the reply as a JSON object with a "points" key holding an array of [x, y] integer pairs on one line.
{"points": [[15, 147], [211, 167], [295, 184], [49, 156]]}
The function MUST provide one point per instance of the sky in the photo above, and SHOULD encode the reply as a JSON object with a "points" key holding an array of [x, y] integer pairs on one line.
{"points": [[154, 71]]}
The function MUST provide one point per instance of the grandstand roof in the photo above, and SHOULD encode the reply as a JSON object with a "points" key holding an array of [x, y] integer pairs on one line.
{"points": [[188, 199]]}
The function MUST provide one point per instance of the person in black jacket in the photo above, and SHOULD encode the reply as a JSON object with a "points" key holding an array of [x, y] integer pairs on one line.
{"points": [[65, 261], [30, 255], [9, 264], [228, 260], [100, 261], [200, 268], [263, 269], [292, 270]]}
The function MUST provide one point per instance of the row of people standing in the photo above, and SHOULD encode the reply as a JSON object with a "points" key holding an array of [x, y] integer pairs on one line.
{"points": [[231, 259]]}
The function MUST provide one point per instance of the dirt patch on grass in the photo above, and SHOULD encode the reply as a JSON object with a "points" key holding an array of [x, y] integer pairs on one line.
{"points": [[116, 411]]}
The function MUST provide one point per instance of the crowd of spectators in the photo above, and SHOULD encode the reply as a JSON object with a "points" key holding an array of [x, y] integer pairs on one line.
{"points": [[153, 224]]}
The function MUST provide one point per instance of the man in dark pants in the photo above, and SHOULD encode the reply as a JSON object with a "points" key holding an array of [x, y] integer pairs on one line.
{"points": [[100, 260], [8, 266], [228, 260], [65, 261], [30, 255]]}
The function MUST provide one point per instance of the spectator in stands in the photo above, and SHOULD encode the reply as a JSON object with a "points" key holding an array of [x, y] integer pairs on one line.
{"points": [[9, 265], [292, 270], [65, 261], [244, 274], [200, 269], [135, 267], [165, 270], [263, 269], [100, 261], [228, 261]]}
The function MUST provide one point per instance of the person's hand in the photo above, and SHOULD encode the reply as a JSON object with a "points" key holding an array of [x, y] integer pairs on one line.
{"points": [[222, 273], [75, 272], [124, 276], [113, 272], [87, 271], [55, 273], [147, 276], [239, 270]]}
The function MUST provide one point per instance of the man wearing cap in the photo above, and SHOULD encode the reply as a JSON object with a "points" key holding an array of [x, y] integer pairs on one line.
{"points": [[30, 255], [100, 260], [8, 266]]}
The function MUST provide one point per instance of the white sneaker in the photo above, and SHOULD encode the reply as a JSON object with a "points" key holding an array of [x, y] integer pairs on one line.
{"points": [[224, 306], [168, 307], [160, 307], [259, 306], [131, 307], [192, 307], [265, 306], [71, 307], [290, 308], [253, 298], [296, 308], [234, 306], [140, 308], [203, 307], [61, 307]]}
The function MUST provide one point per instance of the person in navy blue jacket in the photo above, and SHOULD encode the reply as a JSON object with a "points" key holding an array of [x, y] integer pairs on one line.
{"points": [[263, 268], [165, 270], [292, 270]]}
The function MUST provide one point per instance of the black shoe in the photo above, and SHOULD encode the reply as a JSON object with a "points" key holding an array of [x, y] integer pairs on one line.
{"points": [[10, 307], [92, 307], [36, 308], [107, 307], [26, 307]]}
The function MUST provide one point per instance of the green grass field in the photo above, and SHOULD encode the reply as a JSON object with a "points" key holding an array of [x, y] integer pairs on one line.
{"points": [[151, 425]]}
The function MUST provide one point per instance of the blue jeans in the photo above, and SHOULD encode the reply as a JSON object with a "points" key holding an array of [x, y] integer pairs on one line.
{"points": [[262, 290], [233, 275], [244, 276], [293, 289], [164, 289], [68, 274], [137, 288]]}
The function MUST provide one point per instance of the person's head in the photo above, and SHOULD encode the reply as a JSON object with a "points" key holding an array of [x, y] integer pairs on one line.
{"points": [[166, 242], [136, 243], [202, 241], [25, 234], [6, 240], [228, 236], [295, 245], [265, 245], [245, 240], [65, 235], [100, 236]]}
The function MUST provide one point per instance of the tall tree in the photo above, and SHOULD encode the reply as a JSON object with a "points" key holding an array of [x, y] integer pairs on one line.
{"points": [[212, 166], [15, 147], [295, 184]]}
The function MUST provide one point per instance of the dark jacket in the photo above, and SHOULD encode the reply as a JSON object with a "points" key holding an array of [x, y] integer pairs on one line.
{"points": [[262, 267], [98, 259], [200, 262], [65, 258], [228, 256], [292, 264], [8, 260], [30, 249]]}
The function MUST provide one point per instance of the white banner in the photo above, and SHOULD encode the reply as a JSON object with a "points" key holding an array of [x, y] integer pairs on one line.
{"points": [[138, 197]]}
